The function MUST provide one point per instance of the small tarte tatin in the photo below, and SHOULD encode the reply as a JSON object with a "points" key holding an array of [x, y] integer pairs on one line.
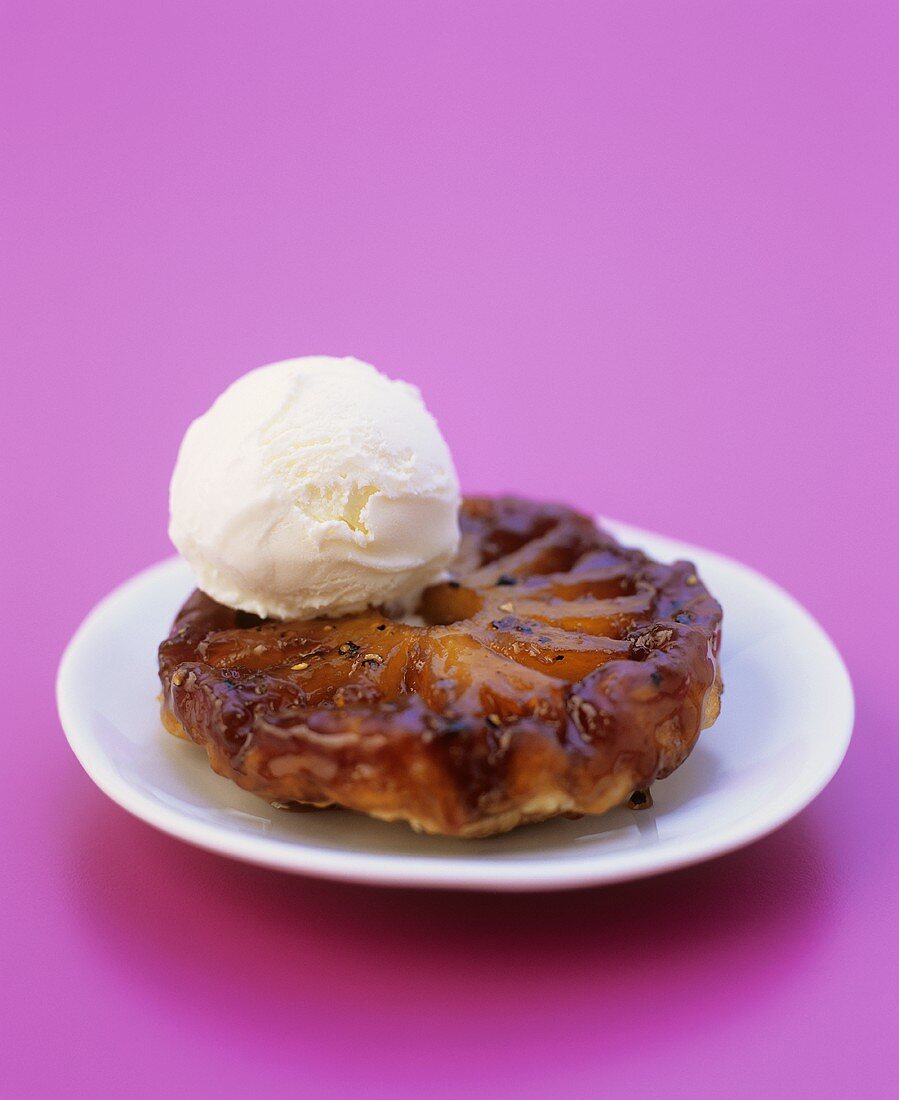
{"points": [[557, 672]]}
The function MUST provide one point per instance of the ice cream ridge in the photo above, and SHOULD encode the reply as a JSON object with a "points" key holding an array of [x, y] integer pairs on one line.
{"points": [[315, 486]]}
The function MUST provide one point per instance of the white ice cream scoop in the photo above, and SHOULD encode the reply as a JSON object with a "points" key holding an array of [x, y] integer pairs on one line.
{"points": [[315, 486]]}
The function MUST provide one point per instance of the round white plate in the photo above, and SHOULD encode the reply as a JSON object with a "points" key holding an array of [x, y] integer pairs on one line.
{"points": [[784, 729]]}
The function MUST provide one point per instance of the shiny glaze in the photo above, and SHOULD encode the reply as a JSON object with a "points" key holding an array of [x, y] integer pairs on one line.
{"points": [[557, 672]]}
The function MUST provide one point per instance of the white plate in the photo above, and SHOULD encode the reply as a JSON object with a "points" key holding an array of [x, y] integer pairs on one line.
{"points": [[784, 729]]}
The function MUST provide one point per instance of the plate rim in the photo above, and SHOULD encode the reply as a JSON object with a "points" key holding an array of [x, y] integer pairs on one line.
{"points": [[447, 872]]}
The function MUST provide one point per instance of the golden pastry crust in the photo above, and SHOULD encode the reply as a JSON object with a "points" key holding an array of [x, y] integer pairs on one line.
{"points": [[558, 673]]}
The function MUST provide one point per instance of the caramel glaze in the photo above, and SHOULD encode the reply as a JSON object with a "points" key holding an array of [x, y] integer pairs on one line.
{"points": [[557, 672]]}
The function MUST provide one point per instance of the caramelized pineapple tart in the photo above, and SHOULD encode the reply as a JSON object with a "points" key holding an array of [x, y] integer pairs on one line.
{"points": [[552, 672]]}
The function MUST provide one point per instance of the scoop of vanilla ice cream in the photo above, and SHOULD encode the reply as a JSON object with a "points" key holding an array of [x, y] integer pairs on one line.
{"points": [[315, 486]]}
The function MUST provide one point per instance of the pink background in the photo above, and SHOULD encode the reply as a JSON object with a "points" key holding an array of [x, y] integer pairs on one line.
{"points": [[638, 256]]}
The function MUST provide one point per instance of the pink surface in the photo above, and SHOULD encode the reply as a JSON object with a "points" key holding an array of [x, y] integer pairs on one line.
{"points": [[638, 256]]}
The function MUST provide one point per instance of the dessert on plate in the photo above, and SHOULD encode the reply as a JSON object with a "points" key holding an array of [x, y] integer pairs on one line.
{"points": [[363, 637]]}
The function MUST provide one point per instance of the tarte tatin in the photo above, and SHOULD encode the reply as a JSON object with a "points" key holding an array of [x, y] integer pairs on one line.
{"points": [[556, 672]]}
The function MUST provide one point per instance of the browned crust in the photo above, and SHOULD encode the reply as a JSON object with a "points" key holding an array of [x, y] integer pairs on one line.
{"points": [[587, 679]]}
